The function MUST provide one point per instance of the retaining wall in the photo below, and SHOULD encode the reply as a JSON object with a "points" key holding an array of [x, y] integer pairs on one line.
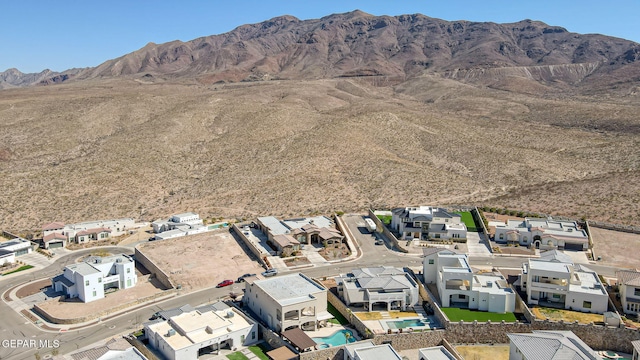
{"points": [[153, 268], [112, 311], [386, 232], [616, 227], [362, 329], [252, 247], [349, 238]]}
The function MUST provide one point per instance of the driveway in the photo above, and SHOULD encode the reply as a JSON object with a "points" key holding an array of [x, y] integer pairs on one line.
{"points": [[477, 245]]}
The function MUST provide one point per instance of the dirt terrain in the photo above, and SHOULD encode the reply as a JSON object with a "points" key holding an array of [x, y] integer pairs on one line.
{"points": [[201, 260], [294, 148], [616, 248]]}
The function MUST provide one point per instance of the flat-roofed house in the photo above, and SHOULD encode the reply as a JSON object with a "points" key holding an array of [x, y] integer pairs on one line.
{"points": [[89, 279], [367, 350], [386, 285], [458, 286], [629, 289], [435, 353], [543, 234], [288, 301], [553, 280], [544, 345], [201, 331]]}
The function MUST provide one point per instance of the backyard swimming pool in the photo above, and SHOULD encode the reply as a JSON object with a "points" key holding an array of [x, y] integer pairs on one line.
{"points": [[336, 339], [411, 323]]}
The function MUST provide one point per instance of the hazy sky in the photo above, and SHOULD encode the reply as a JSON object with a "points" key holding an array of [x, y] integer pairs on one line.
{"points": [[63, 34]]}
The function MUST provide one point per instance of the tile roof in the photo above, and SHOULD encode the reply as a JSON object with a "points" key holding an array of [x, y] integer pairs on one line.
{"points": [[627, 277], [284, 240], [53, 226], [282, 353], [93, 231], [54, 236]]}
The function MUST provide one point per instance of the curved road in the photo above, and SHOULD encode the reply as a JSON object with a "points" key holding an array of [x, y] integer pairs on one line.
{"points": [[14, 326]]}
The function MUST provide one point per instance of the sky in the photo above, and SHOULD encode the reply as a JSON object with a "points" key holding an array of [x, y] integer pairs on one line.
{"points": [[63, 34]]}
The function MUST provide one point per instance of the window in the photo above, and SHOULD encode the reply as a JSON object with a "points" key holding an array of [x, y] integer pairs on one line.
{"points": [[636, 291], [501, 237], [253, 335], [437, 236], [86, 283], [525, 239], [430, 261], [128, 270], [586, 304], [94, 293], [128, 282], [556, 296], [99, 280]]}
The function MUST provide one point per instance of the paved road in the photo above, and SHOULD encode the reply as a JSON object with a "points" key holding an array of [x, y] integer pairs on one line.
{"points": [[14, 327]]}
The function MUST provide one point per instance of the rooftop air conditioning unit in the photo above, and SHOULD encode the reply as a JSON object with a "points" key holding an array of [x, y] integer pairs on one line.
{"points": [[230, 314], [171, 332]]}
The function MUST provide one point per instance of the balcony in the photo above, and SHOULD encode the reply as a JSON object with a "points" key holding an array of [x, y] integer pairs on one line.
{"points": [[457, 285], [548, 286]]}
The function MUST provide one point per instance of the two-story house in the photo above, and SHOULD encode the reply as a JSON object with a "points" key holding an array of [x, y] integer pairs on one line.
{"points": [[553, 280], [287, 302], [88, 280], [386, 285], [629, 290], [427, 222], [459, 286]]}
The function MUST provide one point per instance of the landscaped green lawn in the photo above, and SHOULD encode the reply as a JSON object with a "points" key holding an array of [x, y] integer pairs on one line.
{"points": [[339, 319], [457, 314], [21, 268], [467, 218], [386, 219], [237, 356], [259, 351]]}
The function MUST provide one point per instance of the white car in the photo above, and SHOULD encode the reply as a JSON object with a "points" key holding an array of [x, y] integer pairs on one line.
{"points": [[270, 272]]}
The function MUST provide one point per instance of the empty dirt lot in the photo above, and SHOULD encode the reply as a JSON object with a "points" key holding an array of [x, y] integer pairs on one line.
{"points": [[202, 260], [616, 247]]}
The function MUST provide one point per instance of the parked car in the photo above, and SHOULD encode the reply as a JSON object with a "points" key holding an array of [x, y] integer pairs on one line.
{"points": [[225, 283], [270, 272], [241, 278]]}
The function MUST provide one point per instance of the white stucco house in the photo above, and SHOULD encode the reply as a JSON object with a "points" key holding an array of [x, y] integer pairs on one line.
{"points": [[386, 285], [367, 350], [178, 225], [54, 232], [201, 331], [629, 290], [89, 279], [427, 223], [17, 246], [287, 302], [458, 286], [541, 345], [435, 353], [7, 257], [543, 234], [553, 280]]}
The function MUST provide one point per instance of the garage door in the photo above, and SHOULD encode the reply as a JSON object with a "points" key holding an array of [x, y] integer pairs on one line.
{"points": [[55, 245], [22, 252]]}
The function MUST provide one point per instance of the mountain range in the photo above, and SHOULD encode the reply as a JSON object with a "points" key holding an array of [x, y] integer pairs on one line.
{"points": [[350, 111], [391, 47]]}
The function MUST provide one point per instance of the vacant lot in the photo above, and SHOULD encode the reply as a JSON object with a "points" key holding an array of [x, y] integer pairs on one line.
{"points": [[615, 247], [201, 260], [482, 352]]}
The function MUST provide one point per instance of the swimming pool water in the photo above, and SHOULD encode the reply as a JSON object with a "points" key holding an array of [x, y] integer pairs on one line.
{"points": [[403, 324], [336, 339]]}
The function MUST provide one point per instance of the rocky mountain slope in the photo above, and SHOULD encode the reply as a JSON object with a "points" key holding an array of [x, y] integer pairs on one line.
{"points": [[400, 47]]}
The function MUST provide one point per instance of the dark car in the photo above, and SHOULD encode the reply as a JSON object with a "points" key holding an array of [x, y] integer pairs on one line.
{"points": [[241, 278], [225, 283]]}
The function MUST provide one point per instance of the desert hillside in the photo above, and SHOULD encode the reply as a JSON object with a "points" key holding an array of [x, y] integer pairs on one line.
{"points": [[135, 147]]}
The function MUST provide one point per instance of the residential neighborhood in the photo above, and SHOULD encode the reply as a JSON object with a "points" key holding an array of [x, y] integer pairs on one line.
{"points": [[433, 295]]}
